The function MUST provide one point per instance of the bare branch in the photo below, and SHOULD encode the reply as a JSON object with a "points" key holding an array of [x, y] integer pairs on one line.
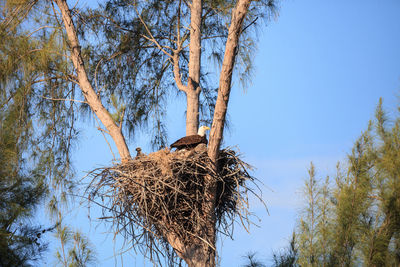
{"points": [[64, 99], [251, 23], [178, 27], [158, 45], [40, 28], [151, 38], [86, 87], [177, 74]]}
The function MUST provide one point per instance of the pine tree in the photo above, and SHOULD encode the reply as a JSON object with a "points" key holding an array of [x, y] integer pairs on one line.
{"points": [[356, 220], [197, 253], [387, 191], [288, 257], [308, 249], [21, 191], [315, 228], [37, 127]]}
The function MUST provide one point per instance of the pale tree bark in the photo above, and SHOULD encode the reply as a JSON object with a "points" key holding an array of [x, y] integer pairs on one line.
{"points": [[225, 79], [194, 254], [90, 95], [203, 254], [193, 85]]}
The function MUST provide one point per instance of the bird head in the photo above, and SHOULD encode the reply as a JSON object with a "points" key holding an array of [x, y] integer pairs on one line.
{"points": [[202, 130]]}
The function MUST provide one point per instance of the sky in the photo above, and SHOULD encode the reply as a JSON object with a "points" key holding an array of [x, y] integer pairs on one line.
{"points": [[320, 70]]}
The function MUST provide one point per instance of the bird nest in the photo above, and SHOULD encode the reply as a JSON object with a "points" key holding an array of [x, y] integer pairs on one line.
{"points": [[165, 192]]}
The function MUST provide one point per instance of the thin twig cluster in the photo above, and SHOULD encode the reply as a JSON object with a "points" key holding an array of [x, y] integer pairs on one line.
{"points": [[164, 192]]}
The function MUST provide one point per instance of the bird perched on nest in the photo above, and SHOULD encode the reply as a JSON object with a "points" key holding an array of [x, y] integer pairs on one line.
{"points": [[191, 141], [138, 153]]}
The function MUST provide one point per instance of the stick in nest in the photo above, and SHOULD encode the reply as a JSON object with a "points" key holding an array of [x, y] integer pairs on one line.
{"points": [[164, 192]]}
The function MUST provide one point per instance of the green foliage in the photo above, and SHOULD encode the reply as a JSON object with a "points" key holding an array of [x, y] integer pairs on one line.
{"points": [[356, 220], [288, 257], [21, 190], [308, 241], [253, 261], [38, 125], [33, 71], [75, 250]]}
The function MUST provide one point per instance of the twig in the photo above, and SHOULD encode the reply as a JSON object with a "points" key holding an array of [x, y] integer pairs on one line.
{"points": [[251, 23], [63, 99], [151, 38]]}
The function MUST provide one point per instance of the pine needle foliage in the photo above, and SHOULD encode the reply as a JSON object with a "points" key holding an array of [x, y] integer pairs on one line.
{"points": [[76, 249], [251, 257], [288, 257], [355, 221], [308, 246], [21, 191], [39, 113]]}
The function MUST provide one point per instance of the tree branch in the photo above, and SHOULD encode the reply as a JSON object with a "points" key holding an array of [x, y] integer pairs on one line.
{"points": [[86, 87], [221, 106], [151, 38], [193, 83], [177, 74], [64, 99]]}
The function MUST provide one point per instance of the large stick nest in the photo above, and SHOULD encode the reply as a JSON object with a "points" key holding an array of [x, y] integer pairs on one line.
{"points": [[165, 192]]}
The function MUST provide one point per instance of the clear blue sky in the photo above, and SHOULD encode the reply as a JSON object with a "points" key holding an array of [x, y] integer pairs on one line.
{"points": [[320, 70]]}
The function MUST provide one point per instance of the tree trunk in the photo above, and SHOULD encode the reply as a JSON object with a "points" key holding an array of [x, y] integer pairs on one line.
{"points": [[195, 254], [225, 79], [192, 112], [193, 86], [204, 255], [90, 95]]}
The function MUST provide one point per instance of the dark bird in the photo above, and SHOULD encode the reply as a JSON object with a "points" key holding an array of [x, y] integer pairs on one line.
{"points": [[138, 153], [191, 141]]}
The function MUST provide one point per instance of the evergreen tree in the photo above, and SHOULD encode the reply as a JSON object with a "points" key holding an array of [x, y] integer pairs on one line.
{"points": [[75, 249], [21, 190], [287, 258], [37, 127], [355, 221], [150, 14], [386, 194], [308, 247]]}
